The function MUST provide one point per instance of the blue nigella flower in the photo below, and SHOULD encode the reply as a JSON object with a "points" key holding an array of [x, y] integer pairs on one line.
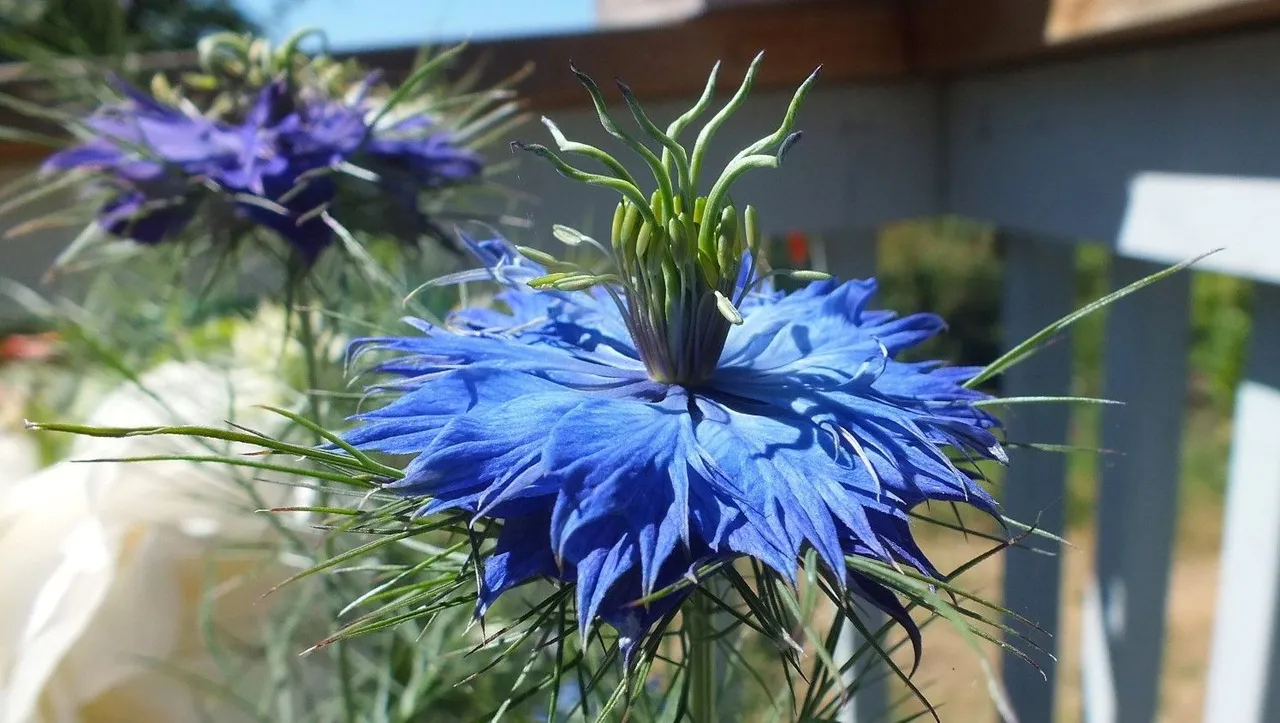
{"points": [[278, 164], [807, 434], [150, 155], [627, 428]]}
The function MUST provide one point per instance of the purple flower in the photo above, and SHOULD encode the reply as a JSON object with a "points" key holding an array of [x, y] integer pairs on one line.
{"points": [[153, 156], [279, 164], [429, 154], [276, 175]]}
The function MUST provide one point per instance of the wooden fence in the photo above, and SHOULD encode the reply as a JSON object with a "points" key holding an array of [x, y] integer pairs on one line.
{"points": [[1161, 153]]}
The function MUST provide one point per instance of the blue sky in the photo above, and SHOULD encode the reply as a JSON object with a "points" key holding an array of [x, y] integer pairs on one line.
{"points": [[354, 24]]}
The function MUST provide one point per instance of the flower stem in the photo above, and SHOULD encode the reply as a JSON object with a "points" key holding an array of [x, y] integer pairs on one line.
{"points": [[703, 682], [307, 336]]}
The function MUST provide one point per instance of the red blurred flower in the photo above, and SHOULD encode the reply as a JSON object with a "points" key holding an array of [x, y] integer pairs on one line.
{"points": [[798, 248], [28, 347]]}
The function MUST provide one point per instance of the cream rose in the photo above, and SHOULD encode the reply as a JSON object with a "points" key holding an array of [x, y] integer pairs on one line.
{"points": [[19, 455], [106, 564]]}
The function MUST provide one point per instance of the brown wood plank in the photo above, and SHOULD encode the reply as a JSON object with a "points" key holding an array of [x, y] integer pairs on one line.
{"points": [[1070, 19], [853, 39], [948, 36], [955, 37], [17, 152]]}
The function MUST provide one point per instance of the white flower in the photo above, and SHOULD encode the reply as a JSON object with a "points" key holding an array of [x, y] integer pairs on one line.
{"points": [[19, 455], [263, 341], [106, 564]]}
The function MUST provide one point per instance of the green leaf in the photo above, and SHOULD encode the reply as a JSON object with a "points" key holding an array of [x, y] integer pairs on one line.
{"points": [[415, 79], [1031, 345], [1011, 401], [337, 460]]}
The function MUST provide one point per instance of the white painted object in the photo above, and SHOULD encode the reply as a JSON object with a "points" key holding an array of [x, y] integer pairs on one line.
{"points": [[19, 455], [1172, 217], [102, 571], [1244, 683]]}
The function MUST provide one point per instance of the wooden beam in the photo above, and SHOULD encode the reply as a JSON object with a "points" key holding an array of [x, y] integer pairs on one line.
{"points": [[15, 152], [854, 40], [953, 38], [1072, 19]]}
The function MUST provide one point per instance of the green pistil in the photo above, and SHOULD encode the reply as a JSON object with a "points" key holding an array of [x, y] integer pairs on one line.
{"points": [[677, 255]]}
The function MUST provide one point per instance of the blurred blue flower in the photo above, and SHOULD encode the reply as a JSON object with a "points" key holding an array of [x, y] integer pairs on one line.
{"points": [[150, 155], [806, 434], [279, 165]]}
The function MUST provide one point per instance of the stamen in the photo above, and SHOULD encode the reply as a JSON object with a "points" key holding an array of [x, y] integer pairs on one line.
{"points": [[678, 256]]}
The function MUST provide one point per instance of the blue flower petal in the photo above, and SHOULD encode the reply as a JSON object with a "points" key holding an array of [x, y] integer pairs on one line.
{"points": [[810, 435]]}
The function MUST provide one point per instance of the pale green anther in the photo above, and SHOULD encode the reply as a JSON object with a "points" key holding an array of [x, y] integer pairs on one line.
{"points": [[809, 275], [615, 230], [577, 283], [706, 240], [570, 236], [541, 257], [676, 236], [727, 309], [690, 232], [221, 105], [330, 75], [751, 223], [727, 251], [625, 242], [642, 240], [547, 280], [160, 87], [199, 81], [660, 212]]}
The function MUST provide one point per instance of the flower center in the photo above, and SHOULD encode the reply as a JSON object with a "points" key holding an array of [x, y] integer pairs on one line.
{"points": [[682, 285], [682, 262]]}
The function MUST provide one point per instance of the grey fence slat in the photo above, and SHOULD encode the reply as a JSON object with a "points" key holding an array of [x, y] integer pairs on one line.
{"points": [[1038, 289], [1244, 673], [1146, 368], [853, 255]]}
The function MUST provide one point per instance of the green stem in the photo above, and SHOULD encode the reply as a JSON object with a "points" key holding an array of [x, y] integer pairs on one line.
{"points": [[307, 336], [703, 682]]}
